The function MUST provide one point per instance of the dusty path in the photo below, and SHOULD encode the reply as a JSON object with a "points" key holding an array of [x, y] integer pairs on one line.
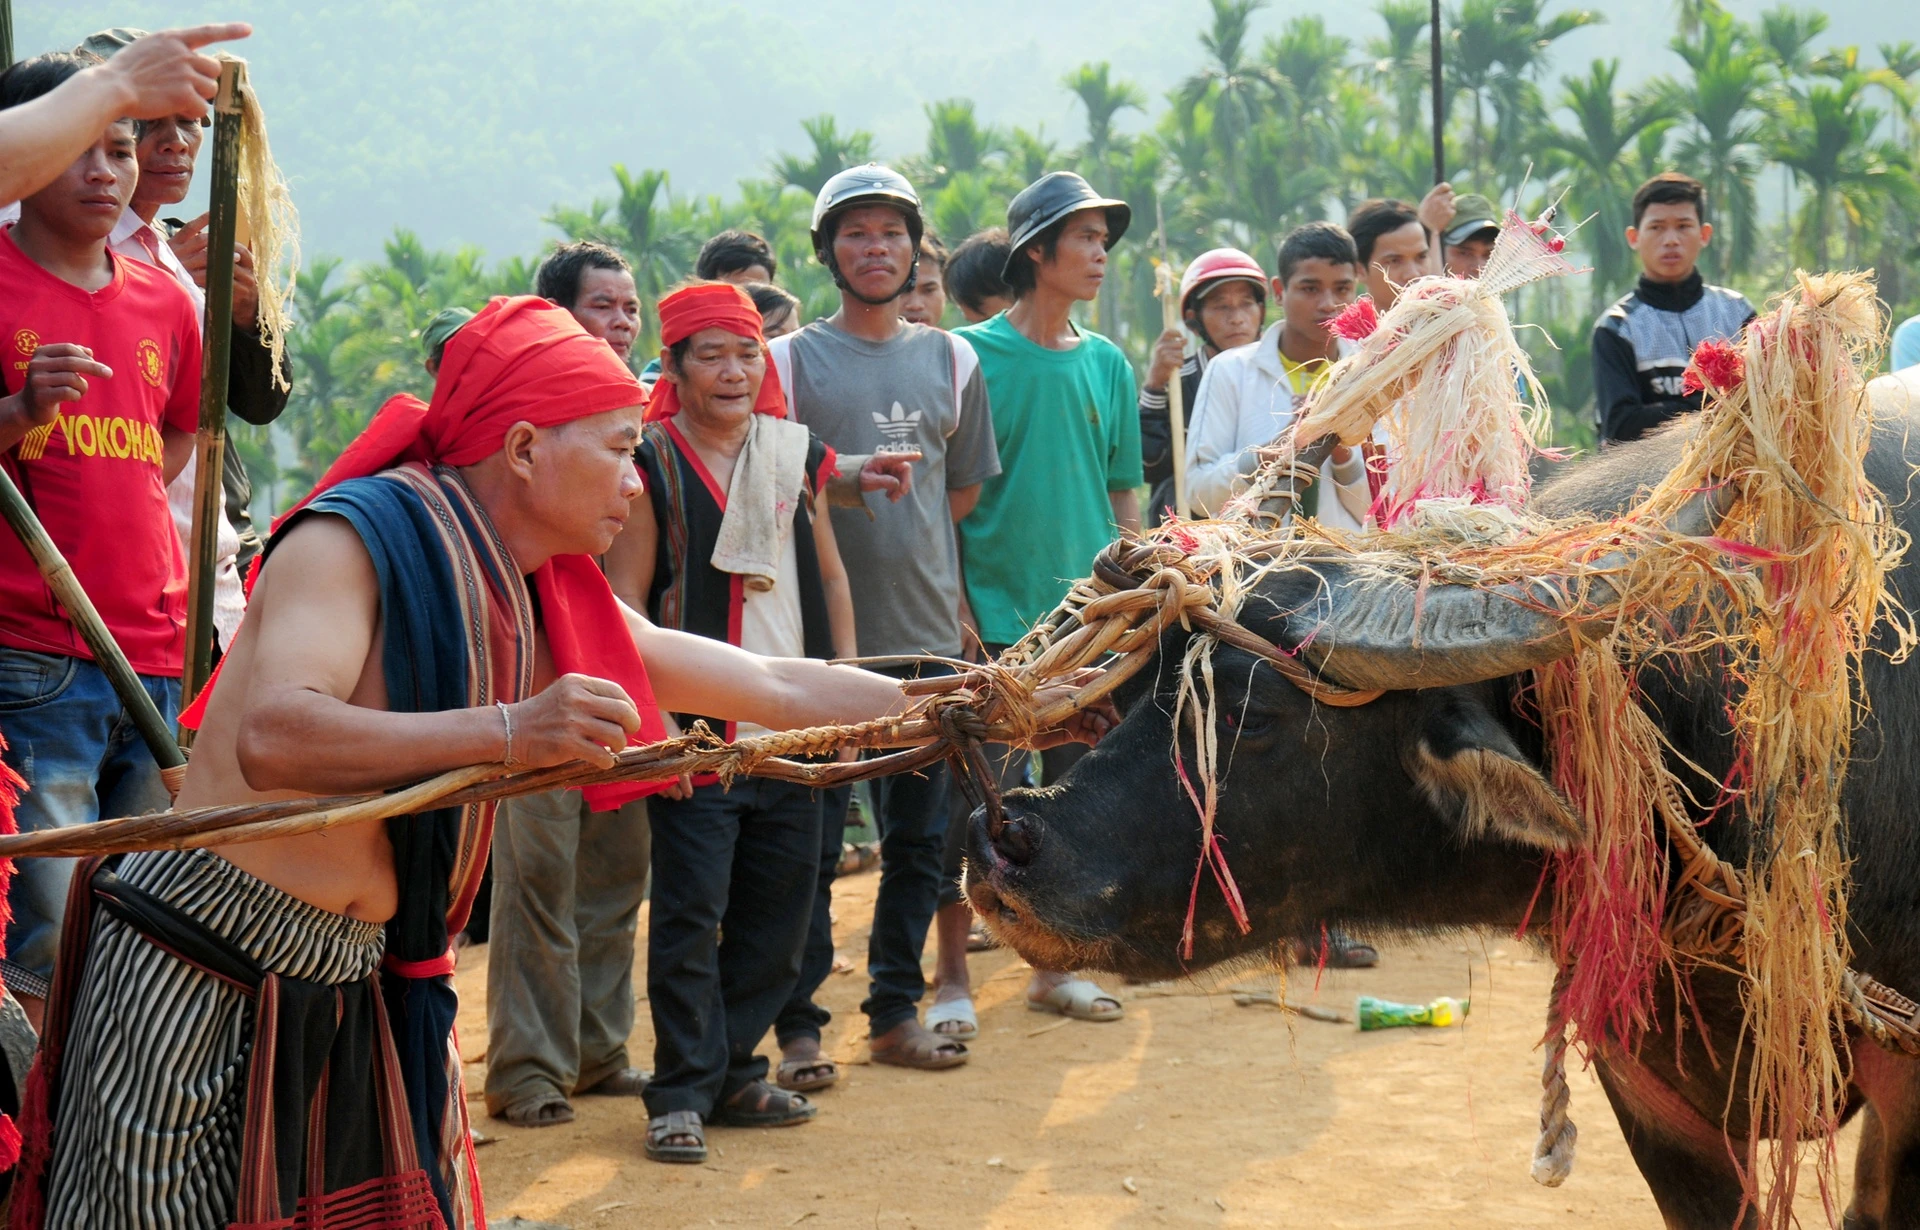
{"points": [[1220, 1115]]}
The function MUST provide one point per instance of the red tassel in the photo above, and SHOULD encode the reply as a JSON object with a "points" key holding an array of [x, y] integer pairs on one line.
{"points": [[1716, 365], [1357, 322], [9, 1143]]}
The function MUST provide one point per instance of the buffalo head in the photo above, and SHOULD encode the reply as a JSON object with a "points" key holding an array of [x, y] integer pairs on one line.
{"points": [[1425, 808]]}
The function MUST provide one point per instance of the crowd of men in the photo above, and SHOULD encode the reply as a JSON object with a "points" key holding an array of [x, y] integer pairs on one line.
{"points": [[571, 548]]}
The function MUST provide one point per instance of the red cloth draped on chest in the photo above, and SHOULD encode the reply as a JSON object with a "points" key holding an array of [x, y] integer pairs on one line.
{"points": [[521, 359]]}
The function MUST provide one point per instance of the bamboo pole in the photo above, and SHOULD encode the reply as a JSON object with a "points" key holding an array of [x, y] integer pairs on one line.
{"points": [[1176, 392], [6, 32], [1437, 70], [209, 448], [93, 630]]}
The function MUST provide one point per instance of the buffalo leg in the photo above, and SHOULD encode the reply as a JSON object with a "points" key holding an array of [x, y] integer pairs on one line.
{"points": [[1886, 1185], [1683, 1158]]}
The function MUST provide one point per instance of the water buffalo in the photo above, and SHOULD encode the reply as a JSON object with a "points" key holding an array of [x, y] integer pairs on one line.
{"points": [[1426, 810]]}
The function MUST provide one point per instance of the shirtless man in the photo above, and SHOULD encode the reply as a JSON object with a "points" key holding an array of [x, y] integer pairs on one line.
{"points": [[391, 636]]}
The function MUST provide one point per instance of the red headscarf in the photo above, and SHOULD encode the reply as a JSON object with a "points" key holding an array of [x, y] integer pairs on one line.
{"points": [[711, 305], [522, 359]]}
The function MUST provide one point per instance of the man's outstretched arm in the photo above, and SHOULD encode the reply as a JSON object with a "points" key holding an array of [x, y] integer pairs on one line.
{"points": [[304, 722]]}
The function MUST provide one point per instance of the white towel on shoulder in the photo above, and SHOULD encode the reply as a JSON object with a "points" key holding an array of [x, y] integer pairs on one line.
{"points": [[769, 480]]}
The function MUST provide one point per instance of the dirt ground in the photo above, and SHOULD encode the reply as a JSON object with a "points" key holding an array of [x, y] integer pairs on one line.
{"points": [[1191, 1111]]}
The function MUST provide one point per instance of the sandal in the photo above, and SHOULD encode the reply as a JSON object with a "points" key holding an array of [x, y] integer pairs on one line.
{"points": [[806, 1073], [857, 856], [541, 1110], [957, 1017], [1077, 998], [682, 1125], [920, 1049], [761, 1105], [624, 1083]]}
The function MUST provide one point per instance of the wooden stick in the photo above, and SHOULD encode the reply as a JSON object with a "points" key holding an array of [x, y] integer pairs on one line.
{"points": [[59, 577], [1176, 392], [210, 445], [6, 32], [1437, 69]]}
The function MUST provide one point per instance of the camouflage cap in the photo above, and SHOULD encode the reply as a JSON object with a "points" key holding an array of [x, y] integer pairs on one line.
{"points": [[1472, 213], [445, 323], [105, 42]]}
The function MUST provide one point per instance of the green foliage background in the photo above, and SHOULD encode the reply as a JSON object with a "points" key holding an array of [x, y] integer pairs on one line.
{"points": [[1237, 123]]}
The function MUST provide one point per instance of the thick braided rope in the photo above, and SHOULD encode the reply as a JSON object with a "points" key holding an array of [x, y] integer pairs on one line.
{"points": [[1553, 1150]]}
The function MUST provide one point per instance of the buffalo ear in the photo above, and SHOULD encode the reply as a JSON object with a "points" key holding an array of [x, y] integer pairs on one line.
{"points": [[1471, 768]]}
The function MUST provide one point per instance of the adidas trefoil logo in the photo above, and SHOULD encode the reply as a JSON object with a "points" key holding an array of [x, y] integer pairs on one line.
{"points": [[899, 429]]}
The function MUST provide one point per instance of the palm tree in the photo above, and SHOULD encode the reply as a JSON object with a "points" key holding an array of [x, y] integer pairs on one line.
{"points": [[1497, 50], [1728, 76], [1787, 33], [1401, 61], [1313, 63], [1825, 135], [957, 143], [832, 153], [1030, 155], [1104, 98], [1604, 130], [1236, 90]]}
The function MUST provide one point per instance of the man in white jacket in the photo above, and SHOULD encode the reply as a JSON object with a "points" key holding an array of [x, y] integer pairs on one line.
{"points": [[1248, 394]]}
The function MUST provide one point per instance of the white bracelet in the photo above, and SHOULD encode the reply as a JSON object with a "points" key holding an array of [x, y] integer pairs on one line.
{"points": [[506, 718]]}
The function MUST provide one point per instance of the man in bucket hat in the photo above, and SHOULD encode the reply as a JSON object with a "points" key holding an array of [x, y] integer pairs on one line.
{"points": [[1066, 419]]}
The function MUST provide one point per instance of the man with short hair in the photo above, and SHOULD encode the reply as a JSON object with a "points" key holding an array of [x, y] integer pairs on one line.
{"points": [[868, 382], [595, 284], [101, 397], [1248, 396], [1394, 241], [393, 634], [1223, 303], [926, 303], [1467, 242], [568, 878], [1066, 419], [736, 256], [1643, 344], [976, 275]]}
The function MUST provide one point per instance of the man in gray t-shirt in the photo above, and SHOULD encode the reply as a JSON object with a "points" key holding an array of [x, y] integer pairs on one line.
{"points": [[920, 388], [866, 382]]}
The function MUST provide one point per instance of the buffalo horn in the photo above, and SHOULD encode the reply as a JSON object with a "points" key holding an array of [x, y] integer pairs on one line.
{"points": [[1367, 629]]}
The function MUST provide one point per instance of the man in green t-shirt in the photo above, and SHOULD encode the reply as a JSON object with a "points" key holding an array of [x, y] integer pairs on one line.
{"points": [[1063, 406]]}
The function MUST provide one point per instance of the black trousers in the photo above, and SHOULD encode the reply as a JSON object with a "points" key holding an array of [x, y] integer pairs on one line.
{"points": [[733, 885], [802, 1017]]}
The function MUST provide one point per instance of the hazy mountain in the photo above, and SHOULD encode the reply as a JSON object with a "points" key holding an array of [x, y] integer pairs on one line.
{"points": [[466, 122]]}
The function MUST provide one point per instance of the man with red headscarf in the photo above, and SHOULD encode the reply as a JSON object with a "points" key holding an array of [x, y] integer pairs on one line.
{"points": [[255, 1032]]}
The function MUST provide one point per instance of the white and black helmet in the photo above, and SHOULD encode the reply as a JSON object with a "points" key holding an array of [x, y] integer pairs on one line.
{"points": [[871, 184]]}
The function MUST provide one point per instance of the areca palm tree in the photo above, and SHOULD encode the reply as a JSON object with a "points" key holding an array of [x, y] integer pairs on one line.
{"points": [[1237, 90], [832, 153], [1605, 128], [1496, 52], [1728, 75], [1104, 98], [1401, 61], [1825, 135], [957, 143]]}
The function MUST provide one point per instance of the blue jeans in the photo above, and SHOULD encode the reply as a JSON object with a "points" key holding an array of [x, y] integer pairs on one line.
{"points": [[69, 737], [913, 811]]}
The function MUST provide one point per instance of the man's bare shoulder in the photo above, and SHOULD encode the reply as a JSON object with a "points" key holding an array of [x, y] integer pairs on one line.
{"points": [[320, 554]]}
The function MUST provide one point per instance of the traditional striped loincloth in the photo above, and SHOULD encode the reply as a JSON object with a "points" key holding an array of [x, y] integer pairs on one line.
{"points": [[154, 1076]]}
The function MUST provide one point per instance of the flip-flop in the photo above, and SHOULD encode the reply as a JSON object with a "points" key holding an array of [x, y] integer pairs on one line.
{"points": [[540, 1110], [954, 1012], [825, 1072], [1076, 998], [676, 1123], [764, 1106]]}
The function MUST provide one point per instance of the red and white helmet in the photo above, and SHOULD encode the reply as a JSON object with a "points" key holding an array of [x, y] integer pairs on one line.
{"points": [[1210, 269]]}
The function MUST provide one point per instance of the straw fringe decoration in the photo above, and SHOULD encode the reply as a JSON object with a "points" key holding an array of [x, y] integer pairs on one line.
{"points": [[269, 226]]}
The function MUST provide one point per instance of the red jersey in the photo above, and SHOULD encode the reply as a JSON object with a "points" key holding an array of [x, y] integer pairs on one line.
{"points": [[95, 474]]}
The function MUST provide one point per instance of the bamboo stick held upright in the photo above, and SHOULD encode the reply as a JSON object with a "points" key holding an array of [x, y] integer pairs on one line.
{"points": [[1437, 68], [210, 445]]}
